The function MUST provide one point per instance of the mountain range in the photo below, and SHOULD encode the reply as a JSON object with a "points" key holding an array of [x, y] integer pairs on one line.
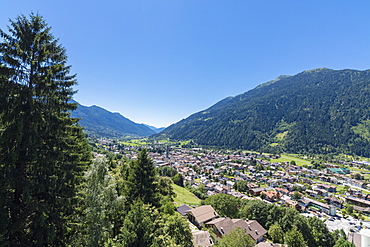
{"points": [[315, 111], [99, 122]]}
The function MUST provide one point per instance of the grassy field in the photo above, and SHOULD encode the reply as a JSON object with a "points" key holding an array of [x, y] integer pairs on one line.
{"points": [[288, 158], [184, 196]]}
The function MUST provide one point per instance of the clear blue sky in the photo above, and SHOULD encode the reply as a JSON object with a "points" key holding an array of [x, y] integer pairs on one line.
{"points": [[158, 62]]}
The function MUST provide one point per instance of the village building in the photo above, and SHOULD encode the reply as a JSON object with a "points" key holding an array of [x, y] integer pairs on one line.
{"points": [[201, 215], [223, 226], [314, 205], [202, 238]]}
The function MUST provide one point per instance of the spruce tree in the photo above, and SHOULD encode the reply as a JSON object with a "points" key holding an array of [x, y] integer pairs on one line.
{"points": [[141, 182], [42, 150]]}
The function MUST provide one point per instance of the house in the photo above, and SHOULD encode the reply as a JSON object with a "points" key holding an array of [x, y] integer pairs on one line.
{"points": [[271, 195], [210, 186], [288, 186], [362, 209], [306, 180], [334, 201], [357, 201], [355, 193], [256, 191], [312, 193], [301, 186], [321, 192], [273, 183], [201, 215], [252, 185], [282, 191], [341, 171], [354, 238], [266, 244], [223, 226], [225, 189], [291, 203], [328, 188], [318, 206], [236, 194], [202, 238], [356, 183], [183, 209]]}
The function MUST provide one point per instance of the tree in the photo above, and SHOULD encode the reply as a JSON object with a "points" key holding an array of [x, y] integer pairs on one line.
{"points": [[144, 226], [43, 150], [165, 187], [320, 233], [259, 167], [100, 205], [342, 242], [263, 196], [141, 180], [296, 195], [176, 228], [276, 233], [257, 210], [166, 171], [166, 195], [241, 186], [358, 176], [337, 234], [236, 238], [349, 208], [139, 226], [294, 238], [225, 205], [178, 180]]}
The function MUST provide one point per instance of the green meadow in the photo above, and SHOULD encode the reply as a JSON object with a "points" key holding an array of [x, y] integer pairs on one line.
{"points": [[183, 196], [289, 158]]}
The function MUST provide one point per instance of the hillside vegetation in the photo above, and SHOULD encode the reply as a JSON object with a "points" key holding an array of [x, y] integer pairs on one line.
{"points": [[99, 122], [318, 111]]}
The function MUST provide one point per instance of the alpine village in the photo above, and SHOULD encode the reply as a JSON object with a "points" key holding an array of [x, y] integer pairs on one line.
{"points": [[284, 164]]}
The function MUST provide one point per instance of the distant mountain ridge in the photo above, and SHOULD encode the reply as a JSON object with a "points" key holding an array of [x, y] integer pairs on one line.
{"points": [[100, 122], [315, 111], [155, 129]]}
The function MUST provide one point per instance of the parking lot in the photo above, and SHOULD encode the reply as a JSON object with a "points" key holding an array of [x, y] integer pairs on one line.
{"points": [[349, 224]]}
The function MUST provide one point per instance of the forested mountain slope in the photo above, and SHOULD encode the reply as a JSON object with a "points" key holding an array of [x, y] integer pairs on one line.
{"points": [[316, 111], [102, 123]]}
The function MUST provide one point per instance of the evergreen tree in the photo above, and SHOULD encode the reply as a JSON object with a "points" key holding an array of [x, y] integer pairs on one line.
{"points": [[42, 150], [178, 179], [141, 181]]}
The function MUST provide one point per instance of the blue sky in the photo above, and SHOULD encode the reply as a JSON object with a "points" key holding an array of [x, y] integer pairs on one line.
{"points": [[157, 62]]}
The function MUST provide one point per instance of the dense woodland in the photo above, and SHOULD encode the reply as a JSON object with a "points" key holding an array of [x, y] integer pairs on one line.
{"points": [[321, 111], [53, 193]]}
